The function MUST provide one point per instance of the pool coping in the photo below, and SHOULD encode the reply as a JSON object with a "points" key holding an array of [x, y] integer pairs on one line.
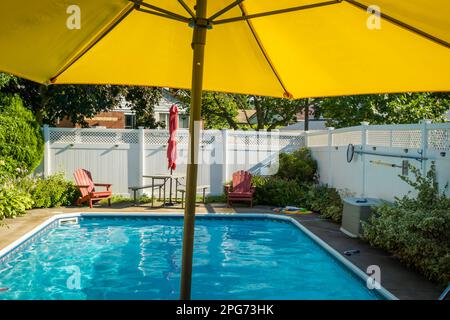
{"points": [[53, 222]]}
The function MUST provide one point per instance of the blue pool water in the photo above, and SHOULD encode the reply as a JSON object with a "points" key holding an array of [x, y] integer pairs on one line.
{"points": [[140, 258]]}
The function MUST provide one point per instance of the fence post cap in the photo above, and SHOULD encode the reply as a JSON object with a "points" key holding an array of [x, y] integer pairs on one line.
{"points": [[330, 128], [365, 123], [140, 127], [426, 121]]}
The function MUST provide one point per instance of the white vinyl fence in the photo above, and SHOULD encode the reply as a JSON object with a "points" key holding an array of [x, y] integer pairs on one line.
{"points": [[123, 157], [379, 154]]}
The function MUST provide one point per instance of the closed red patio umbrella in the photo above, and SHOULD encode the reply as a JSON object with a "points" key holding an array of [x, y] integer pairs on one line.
{"points": [[172, 145]]}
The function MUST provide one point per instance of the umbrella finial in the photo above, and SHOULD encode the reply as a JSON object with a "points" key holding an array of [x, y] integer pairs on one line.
{"points": [[288, 95]]}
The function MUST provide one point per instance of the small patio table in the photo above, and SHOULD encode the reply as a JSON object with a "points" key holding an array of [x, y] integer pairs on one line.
{"points": [[166, 177]]}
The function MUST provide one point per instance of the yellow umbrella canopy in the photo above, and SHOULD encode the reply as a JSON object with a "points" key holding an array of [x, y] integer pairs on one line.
{"points": [[323, 49], [283, 48]]}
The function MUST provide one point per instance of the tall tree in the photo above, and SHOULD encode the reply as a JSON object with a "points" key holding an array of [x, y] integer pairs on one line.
{"points": [[143, 100], [219, 110], [78, 102], [384, 108], [274, 112]]}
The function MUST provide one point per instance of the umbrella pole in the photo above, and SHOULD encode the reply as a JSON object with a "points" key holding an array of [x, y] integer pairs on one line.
{"points": [[198, 46], [170, 203]]}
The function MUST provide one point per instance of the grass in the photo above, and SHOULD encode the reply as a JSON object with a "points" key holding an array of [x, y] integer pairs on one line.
{"points": [[146, 199], [121, 199], [216, 199]]}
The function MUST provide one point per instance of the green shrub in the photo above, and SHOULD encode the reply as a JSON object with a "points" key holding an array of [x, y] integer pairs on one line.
{"points": [[416, 229], [21, 141], [14, 201], [290, 184], [327, 201], [53, 191], [298, 165], [277, 191]]}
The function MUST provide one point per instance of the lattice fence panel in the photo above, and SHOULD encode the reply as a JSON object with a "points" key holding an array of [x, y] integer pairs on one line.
{"points": [[98, 137], [439, 139], [62, 136], [346, 138], [406, 138], [296, 141], [156, 137], [381, 138], [244, 138], [319, 140], [182, 138], [161, 137], [211, 137], [129, 137]]}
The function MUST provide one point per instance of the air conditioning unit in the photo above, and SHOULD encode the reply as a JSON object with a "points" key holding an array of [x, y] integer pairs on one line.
{"points": [[355, 211]]}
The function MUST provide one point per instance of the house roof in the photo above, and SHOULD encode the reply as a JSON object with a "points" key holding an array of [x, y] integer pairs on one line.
{"points": [[163, 105], [241, 118]]}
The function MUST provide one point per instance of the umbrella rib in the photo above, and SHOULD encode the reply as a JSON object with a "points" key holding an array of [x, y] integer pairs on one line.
{"points": [[275, 12], [226, 9], [402, 24], [287, 94], [159, 14], [161, 10], [186, 7]]}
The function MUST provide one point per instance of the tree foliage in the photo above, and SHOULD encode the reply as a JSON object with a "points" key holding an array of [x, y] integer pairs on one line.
{"points": [[298, 165], [219, 110], [143, 100], [275, 112], [384, 108], [78, 102], [21, 141]]}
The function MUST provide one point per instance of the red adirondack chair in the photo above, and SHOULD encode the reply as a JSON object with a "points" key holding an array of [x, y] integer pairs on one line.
{"points": [[84, 182], [242, 189]]}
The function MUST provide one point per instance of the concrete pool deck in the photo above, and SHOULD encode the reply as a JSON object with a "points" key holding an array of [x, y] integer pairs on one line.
{"points": [[395, 277]]}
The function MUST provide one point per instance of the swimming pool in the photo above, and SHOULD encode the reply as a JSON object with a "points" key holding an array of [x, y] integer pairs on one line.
{"points": [[139, 257]]}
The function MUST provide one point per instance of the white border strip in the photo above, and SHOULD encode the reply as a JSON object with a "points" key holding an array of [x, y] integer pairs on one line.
{"points": [[358, 272]]}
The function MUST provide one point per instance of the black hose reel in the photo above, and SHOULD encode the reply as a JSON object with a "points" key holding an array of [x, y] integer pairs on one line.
{"points": [[350, 152]]}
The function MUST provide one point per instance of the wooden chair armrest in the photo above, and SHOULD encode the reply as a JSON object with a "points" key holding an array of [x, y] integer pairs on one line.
{"points": [[107, 185]]}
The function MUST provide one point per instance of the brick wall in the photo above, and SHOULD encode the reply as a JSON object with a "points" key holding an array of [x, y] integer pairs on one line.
{"points": [[111, 120]]}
